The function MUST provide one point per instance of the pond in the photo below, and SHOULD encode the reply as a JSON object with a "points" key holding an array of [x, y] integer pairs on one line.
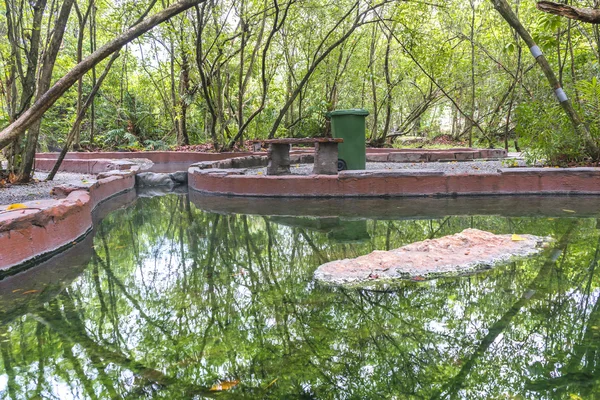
{"points": [[166, 300]]}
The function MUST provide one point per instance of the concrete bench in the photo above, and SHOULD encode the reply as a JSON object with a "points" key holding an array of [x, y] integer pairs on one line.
{"points": [[326, 155]]}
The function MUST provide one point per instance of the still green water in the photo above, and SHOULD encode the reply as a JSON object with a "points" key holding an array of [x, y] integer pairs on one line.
{"points": [[177, 303]]}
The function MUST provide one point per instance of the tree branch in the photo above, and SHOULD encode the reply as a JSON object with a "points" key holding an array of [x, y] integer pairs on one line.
{"points": [[590, 15]]}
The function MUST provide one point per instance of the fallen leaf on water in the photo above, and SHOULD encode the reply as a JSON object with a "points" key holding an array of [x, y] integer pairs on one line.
{"points": [[30, 291], [15, 206], [17, 290], [569, 211], [517, 238], [225, 385]]}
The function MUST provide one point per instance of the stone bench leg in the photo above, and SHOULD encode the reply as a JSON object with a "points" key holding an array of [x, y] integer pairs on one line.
{"points": [[279, 159], [326, 158]]}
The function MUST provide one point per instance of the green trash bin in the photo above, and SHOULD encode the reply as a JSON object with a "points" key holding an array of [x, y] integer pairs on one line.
{"points": [[350, 126]]}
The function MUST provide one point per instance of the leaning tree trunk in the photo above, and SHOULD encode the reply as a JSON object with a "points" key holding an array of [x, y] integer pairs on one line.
{"points": [[76, 126], [509, 16], [35, 112]]}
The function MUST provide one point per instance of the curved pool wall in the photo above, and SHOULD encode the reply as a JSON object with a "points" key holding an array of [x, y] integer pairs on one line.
{"points": [[228, 178], [48, 226], [44, 227], [47, 275]]}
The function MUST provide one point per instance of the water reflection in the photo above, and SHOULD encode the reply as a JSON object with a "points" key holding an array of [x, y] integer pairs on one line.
{"points": [[180, 303]]}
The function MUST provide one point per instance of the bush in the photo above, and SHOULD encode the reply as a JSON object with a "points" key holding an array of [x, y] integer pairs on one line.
{"points": [[548, 135]]}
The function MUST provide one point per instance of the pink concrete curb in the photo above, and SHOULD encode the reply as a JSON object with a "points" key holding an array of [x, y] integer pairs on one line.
{"points": [[171, 161], [46, 225], [509, 181], [87, 166]]}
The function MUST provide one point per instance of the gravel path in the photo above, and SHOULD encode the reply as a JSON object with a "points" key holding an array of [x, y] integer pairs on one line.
{"points": [[41, 189], [462, 167]]}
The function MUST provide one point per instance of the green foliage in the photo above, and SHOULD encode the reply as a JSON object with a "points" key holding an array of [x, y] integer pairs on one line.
{"points": [[549, 135], [425, 69]]}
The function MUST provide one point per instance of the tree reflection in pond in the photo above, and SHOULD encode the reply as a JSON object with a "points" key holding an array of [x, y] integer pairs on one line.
{"points": [[175, 301]]}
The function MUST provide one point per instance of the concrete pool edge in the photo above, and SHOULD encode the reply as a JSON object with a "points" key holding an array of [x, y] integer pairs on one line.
{"points": [[28, 234], [209, 178], [44, 226], [95, 162]]}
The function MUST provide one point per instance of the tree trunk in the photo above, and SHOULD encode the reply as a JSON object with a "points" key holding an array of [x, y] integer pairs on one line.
{"points": [[373, 85], [43, 85], [509, 16], [277, 25], [210, 125], [46, 101], [389, 87], [28, 77], [75, 129], [82, 20], [92, 50], [184, 92], [472, 103]]}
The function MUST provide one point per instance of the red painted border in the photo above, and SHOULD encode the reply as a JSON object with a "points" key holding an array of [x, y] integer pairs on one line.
{"points": [[47, 225], [511, 181]]}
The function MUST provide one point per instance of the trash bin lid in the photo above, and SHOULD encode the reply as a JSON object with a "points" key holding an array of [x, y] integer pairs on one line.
{"points": [[352, 111]]}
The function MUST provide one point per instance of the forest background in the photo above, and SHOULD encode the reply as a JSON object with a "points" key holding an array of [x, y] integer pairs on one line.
{"points": [[223, 72]]}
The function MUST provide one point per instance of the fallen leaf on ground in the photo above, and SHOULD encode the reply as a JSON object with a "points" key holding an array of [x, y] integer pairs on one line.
{"points": [[517, 238], [30, 291], [225, 385], [16, 206], [569, 211]]}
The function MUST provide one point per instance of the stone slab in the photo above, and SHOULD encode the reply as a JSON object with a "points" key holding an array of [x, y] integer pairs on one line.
{"points": [[377, 157], [469, 251], [407, 157]]}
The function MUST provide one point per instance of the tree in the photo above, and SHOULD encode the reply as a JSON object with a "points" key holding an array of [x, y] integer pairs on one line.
{"points": [[48, 98], [506, 12]]}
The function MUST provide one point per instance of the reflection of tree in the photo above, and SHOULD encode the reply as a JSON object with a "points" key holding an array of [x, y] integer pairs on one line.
{"points": [[537, 288], [582, 373], [175, 300], [63, 319]]}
